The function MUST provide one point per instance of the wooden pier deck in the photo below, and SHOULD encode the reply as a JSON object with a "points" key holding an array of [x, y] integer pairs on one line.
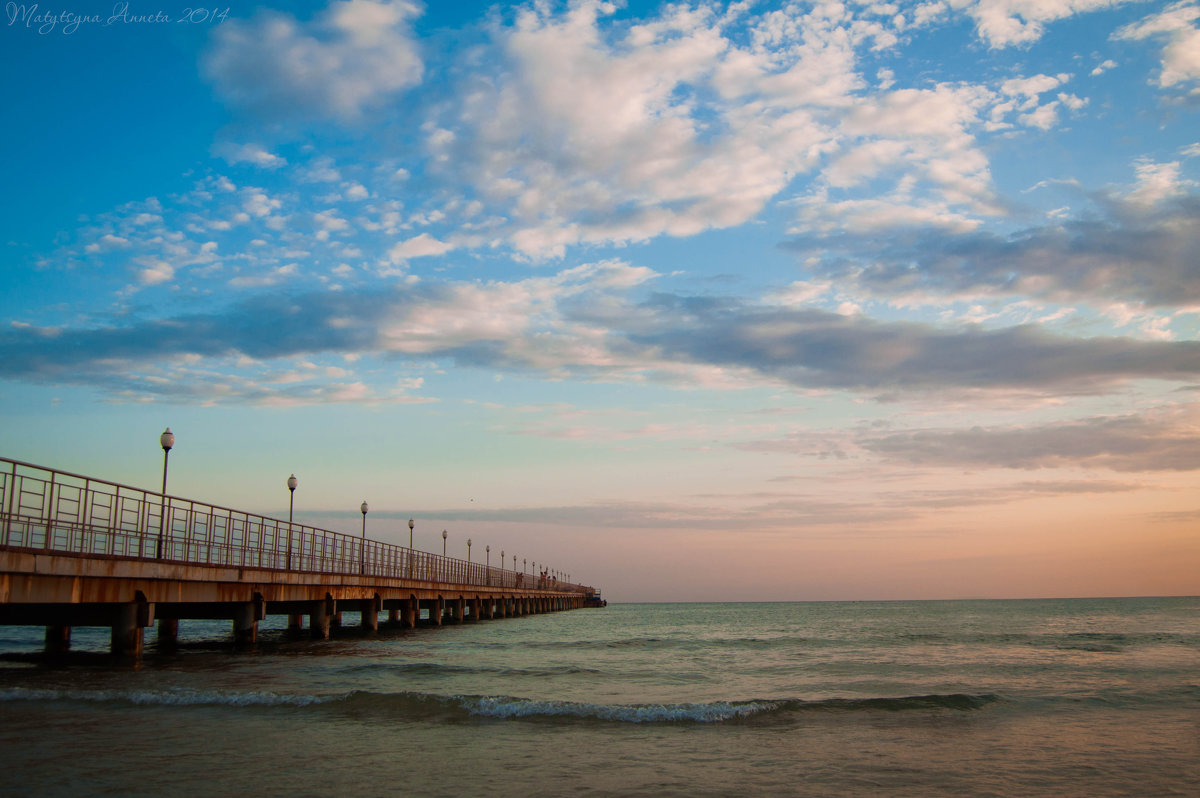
{"points": [[79, 551]]}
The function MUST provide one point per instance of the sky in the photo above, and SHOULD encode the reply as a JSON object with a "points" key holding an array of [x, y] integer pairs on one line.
{"points": [[696, 301]]}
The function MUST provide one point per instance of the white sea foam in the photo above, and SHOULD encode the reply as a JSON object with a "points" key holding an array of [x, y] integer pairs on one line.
{"points": [[504, 707]]}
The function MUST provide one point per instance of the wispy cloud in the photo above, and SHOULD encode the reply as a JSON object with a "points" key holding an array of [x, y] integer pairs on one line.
{"points": [[1166, 440], [589, 323], [1139, 249]]}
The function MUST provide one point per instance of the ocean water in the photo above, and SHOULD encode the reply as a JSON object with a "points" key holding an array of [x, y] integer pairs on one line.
{"points": [[1063, 697]]}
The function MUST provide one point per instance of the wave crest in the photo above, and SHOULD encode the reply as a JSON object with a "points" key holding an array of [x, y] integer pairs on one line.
{"points": [[426, 705]]}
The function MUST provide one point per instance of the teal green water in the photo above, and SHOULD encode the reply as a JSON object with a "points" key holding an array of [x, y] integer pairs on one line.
{"points": [[1070, 697]]}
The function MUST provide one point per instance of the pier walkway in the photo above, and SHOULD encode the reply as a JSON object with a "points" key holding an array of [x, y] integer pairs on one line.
{"points": [[79, 551]]}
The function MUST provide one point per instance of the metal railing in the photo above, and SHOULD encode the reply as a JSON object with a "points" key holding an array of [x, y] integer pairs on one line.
{"points": [[43, 509]]}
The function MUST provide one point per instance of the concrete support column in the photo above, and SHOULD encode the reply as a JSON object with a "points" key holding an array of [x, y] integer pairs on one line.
{"points": [[58, 639], [245, 624], [476, 608], [318, 619], [439, 609], [295, 622], [126, 633], [393, 617], [168, 631], [411, 613], [370, 615], [335, 620], [460, 610]]}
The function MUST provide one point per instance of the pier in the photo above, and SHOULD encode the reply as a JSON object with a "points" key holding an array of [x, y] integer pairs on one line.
{"points": [[78, 551]]}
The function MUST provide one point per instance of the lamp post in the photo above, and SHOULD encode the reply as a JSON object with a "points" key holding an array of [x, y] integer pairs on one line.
{"points": [[292, 482], [362, 555], [166, 441], [444, 535], [410, 553], [487, 550], [468, 551]]}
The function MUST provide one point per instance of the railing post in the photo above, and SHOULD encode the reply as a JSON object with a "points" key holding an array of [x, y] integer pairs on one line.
{"points": [[48, 512], [10, 489]]}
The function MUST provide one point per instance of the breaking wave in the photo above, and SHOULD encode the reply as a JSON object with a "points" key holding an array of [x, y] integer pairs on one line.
{"points": [[416, 706]]}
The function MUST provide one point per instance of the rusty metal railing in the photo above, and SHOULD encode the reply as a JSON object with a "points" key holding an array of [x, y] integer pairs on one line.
{"points": [[43, 509]]}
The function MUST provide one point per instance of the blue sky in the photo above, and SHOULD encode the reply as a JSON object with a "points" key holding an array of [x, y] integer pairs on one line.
{"points": [[746, 301]]}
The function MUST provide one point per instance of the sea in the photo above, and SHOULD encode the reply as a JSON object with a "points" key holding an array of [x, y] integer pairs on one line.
{"points": [[1076, 697]]}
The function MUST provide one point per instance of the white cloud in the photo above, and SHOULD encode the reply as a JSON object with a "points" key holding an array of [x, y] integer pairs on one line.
{"points": [[272, 277], [680, 129], [154, 271], [1004, 23], [800, 292], [1044, 118], [249, 153], [418, 247], [257, 203], [1181, 54], [107, 243], [1157, 182], [348, 59]]}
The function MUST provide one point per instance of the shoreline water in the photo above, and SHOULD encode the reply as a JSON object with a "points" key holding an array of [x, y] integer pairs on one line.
{"points": [[1095, 696]]}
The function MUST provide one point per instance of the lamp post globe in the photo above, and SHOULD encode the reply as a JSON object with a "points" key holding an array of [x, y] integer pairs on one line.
{"points": [[292, 482], [167, 442]]}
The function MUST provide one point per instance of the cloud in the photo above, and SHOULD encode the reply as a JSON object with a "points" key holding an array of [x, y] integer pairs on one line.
{"points": [[680, 130], [153, 271], [1166, 440], [249, 153], [817, 349], [698, 118], [586, 323], [107, 243], [1004, 23], [1139, 248], [422, 245], [1181, 54], [350, 58]]}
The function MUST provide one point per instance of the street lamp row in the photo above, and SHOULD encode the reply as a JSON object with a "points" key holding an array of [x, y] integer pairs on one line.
{"points": [[167, 442]]}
